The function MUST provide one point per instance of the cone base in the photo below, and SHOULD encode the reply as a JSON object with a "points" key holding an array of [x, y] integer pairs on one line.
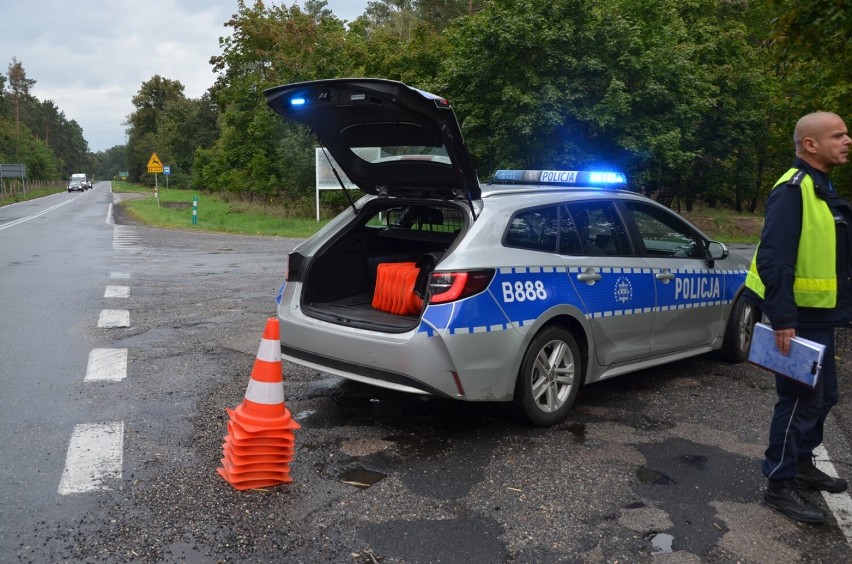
{"points": [[253, 483]]}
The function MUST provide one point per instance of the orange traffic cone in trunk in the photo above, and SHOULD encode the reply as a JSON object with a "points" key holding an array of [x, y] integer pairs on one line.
{"points": [[260, 443]]}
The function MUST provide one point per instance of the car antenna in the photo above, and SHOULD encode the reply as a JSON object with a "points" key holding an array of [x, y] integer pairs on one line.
{"points": [[337, 176]]}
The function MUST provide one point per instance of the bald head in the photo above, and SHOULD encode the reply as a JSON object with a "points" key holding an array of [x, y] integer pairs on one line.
{"points": [[822, 140]]}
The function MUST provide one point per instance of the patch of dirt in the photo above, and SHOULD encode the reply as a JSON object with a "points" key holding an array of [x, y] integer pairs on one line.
{"points": [[121, 216]]}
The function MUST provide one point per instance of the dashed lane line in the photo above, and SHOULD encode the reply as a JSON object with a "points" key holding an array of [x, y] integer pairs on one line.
{"points": [[114, 318], [117, 292], [109, 365], [95, 457]]}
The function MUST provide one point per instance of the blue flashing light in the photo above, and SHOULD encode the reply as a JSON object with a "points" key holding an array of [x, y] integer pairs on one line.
{"points": [[297, 101], [607, 178], [560, 177]]}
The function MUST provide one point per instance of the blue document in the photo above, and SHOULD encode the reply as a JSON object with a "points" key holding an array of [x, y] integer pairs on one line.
{"points": [[802, 364]]}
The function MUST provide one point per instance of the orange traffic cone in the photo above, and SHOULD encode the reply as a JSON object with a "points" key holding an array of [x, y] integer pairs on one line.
{"points": [[260, 443]]}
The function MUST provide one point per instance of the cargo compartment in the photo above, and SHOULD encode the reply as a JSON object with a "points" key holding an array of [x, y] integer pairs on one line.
{"points": [[339, 283]]}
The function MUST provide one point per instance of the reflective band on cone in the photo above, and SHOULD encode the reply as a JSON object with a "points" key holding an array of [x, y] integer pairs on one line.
{"points": [[260, 443]]}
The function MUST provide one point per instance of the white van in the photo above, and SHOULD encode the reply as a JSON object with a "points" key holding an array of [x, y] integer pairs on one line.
{"points": [[79, 182]]}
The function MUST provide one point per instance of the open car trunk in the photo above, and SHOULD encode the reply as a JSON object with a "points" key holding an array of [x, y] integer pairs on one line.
{"points": [[341, 281]]}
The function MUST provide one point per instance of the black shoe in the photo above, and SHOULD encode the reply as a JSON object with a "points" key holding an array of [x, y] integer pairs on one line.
{"points": [[784, 497], [810, 477]]}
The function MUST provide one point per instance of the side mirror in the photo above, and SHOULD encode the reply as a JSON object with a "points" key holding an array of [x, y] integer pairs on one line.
{"points": [[716, 251]]}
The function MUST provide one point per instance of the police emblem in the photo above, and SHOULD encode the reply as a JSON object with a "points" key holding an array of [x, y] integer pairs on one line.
{"points": [[623, 290]]}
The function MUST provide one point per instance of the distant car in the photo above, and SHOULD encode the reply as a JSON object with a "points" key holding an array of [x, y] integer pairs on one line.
{"points": [[520, 290], [76, 185], [82, 180]]}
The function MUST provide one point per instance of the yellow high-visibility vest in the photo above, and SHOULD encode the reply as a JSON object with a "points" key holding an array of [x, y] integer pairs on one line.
{"points": [[815, 282]]}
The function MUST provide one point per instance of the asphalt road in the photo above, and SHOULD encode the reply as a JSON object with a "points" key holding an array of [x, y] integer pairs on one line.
{"points": [[660, 465]]}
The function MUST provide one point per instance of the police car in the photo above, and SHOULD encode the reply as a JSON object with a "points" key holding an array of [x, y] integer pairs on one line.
{"points": [[522, 289]]}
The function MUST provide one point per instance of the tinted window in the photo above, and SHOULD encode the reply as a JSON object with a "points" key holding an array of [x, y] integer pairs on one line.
{"points": [[592, 229], [533, 229], [665, 234]]}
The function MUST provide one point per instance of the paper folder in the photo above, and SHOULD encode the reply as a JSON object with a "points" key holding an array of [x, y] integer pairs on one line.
{"points": [[802, 364]]}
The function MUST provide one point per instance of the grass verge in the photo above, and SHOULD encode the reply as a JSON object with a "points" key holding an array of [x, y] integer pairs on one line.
{"points": [[173, 209]]}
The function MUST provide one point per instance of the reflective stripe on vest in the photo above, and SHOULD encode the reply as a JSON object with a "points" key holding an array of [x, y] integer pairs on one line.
{"points": [[815, 283]]}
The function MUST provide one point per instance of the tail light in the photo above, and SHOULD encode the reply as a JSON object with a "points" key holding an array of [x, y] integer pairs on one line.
{"points": [[451, 286]]}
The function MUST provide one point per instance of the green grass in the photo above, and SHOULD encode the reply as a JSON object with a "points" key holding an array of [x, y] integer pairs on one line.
{"points": [[215, 213], [173, 209], [31, 195], [727, 226]]}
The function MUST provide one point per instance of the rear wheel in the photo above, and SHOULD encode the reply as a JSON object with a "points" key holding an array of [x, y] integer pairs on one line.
{"points": [[739, 331], [549, 378]]}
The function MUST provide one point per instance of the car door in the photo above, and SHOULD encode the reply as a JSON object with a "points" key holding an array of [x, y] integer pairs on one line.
{"points": [[690, 292], [615, 285]]}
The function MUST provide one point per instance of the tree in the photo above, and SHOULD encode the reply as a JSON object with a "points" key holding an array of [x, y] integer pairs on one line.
{"points": [[660, 88], [152, 99], [269, 46]]}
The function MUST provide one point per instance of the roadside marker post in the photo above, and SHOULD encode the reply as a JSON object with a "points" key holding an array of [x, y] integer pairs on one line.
{"points": [[194, 210]]}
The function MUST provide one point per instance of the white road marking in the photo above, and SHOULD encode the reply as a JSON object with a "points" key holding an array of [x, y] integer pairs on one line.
{"points": [[124, 238], [107, 365], [114, 318], [839, 504], [109, 215], [117, 274], [117, 292], [35, 215], [95, 455]]}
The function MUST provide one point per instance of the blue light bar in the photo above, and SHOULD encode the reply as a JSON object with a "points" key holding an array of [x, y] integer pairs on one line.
{"points": [[560, 177], [607, 178], [297, 101]]}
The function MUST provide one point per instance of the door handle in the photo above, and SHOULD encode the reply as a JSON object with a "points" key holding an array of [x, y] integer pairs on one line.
{"points": [[589, 277], [665, 276]]}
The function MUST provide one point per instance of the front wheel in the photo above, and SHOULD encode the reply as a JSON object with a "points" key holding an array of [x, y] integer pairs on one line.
{"points": [[739, 331], [550, 377]]}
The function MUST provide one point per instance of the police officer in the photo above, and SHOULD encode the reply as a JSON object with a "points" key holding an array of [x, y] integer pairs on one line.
{"points": [[801, 279]]}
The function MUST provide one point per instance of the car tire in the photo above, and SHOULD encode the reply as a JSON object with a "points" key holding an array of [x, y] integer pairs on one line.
{"points": [[739, 331], [549, 378]]}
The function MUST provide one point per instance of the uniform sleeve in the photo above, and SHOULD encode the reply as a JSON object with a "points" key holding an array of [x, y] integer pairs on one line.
{"points": [[776, 254]]}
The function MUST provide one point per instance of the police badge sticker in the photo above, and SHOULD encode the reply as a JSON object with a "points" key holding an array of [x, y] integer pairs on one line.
{"points": [[623, 290]]}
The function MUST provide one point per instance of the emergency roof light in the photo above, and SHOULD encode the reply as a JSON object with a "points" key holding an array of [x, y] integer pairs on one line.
{"points": [[561, 177], [298, 101]]}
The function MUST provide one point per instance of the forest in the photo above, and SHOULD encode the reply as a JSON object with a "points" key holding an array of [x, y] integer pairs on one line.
{"points": [[694, 99]]}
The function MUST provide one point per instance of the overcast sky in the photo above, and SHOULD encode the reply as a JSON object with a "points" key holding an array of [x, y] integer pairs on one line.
{"points": [[91, 56]]}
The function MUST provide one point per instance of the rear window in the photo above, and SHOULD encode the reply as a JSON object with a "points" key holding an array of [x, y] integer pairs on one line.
{"points": [[419, 218]]}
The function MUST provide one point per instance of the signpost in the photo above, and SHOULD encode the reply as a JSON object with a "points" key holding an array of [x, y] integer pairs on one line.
{"points": [[167, 171], [13, 171], [155, 166]]}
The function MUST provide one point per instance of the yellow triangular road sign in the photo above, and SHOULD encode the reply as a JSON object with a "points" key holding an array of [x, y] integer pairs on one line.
{"points": [[155, 165]]}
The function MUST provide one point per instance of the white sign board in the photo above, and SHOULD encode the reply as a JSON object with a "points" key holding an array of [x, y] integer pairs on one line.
{"points": [[325, 179]]}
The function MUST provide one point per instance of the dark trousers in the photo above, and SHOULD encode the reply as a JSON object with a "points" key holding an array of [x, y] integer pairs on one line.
{"points": [[799, 418]]}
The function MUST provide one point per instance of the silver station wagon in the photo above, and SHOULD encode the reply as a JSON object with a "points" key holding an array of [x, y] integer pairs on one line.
{"points": [[520, 290]]}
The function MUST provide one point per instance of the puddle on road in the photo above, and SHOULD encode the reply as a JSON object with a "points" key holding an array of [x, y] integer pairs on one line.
{"points": [[648, 476], [661, 542], [361, 477], [420, 446], [698, 461]]}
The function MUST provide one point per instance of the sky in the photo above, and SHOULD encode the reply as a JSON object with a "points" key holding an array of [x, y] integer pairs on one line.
{"points": [[91, 56]]}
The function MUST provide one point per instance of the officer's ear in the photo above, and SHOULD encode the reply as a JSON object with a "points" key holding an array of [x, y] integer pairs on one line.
{"points": [[810, 144]]}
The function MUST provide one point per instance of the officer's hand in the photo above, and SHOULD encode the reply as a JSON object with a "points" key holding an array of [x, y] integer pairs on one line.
{"points": [[782, 339]]}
